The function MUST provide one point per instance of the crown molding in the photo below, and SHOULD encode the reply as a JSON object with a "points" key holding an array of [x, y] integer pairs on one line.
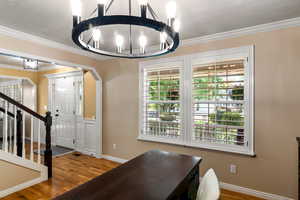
{"points": [[39, 40], [288, 23], [40, 69]]}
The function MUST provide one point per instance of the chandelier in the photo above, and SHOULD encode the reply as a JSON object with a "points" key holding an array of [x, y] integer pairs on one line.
{"points": [[87, 33]]}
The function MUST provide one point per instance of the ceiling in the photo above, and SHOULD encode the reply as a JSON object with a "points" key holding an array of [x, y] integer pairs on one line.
{"points": [[51, 19]]}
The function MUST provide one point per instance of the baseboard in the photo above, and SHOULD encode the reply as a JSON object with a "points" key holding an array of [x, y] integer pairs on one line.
{"points": [[22, 186], [86, 152], [225, 186], [252, 192], [115, 159]]}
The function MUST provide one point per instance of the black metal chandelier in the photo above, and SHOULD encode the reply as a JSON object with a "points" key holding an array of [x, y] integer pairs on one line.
{"points": [[168, 32]]}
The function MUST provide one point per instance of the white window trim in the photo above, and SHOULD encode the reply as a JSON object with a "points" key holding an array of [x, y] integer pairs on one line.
{"points": [[246, 52]]}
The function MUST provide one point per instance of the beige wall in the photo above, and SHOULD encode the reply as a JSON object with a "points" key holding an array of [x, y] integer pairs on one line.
{"points": [[89, 95], [274, 170], [277, 69], [12, 175]]}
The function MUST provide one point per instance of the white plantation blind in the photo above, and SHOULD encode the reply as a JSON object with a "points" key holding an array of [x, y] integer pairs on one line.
{"points": [[218, 103], [161, 105], [205, 100]]}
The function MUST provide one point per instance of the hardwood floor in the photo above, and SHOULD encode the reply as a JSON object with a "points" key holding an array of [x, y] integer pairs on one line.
{"points": [[70, 171]]}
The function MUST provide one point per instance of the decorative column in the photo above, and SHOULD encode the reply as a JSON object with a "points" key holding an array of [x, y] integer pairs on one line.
{"points": [[19, 134], [48, 151]]}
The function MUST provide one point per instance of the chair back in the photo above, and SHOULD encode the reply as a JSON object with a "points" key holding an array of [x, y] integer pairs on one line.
{"points": [[209, 188]]}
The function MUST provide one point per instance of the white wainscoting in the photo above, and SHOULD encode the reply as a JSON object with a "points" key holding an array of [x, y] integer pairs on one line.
{"points": [[86, 139]]}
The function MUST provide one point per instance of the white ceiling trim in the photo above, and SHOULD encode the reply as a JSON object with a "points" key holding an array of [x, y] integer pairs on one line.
{"points": [[31, 70], [294, 22], [36, 39], [16, 68]]}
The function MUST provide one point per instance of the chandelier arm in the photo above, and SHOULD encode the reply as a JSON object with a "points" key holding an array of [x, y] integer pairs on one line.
{"points": [[167, 43], [153, 14], [93, 12], [109, 5], [89, 40]]}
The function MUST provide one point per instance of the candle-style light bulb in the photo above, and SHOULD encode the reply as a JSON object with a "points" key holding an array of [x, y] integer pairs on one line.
{"points": [[143, 43], [119, 43], [171, 12], [176, 25], [76, 7], [163, 40], [102, 2], [143, 5], [76, 11], [96, 34], [101, 7]]}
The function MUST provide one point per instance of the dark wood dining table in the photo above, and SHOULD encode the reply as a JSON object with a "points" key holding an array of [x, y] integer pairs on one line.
{"points": [[154, 175]]}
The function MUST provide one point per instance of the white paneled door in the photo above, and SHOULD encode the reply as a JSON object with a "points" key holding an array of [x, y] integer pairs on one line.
{"points": [[64, 111]]}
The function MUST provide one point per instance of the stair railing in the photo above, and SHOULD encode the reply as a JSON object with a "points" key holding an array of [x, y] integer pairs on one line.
{"points": [[14, 131]]}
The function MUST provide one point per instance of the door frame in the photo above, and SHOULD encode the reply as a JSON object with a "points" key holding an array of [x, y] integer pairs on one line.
{"points": [[98, 119], [51, 78]]}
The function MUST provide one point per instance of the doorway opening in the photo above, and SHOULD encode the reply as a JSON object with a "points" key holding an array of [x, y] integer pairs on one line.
{"points": [[69, 92]]}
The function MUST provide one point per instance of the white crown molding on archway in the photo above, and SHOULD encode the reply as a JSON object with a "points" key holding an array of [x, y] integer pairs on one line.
{"points": [[31, 70], [288, 23]]}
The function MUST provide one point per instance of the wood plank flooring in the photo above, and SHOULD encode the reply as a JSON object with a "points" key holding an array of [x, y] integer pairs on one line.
{"points": [[70, 171]]}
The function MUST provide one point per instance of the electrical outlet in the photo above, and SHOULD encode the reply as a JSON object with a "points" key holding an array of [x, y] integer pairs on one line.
{"points": [[114, 146], [232, 169]]}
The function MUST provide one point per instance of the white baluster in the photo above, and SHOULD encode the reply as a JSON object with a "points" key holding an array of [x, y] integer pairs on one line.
{"points": [[31, 139], [23, 146], [39, 142], [15, 131], [5, 128]]}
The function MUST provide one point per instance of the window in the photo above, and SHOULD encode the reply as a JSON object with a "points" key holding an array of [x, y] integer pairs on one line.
{"points": [[200, 100], [162, 116]]}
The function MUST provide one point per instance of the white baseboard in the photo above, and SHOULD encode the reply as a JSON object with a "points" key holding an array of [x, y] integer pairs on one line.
{"points": [[86, 152], [115, 159], [225, 186], [263, 195]]}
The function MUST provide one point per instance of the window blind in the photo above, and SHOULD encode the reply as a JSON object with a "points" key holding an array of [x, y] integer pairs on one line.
{"points": [[202, 100], [218, 103], [161, 108]]}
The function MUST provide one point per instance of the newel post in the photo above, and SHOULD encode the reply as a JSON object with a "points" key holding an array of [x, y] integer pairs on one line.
{"points": [[48, 151], [19, 134]]}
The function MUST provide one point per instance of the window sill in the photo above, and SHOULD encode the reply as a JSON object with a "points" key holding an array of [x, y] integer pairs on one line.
{"points": [[241, 151]]}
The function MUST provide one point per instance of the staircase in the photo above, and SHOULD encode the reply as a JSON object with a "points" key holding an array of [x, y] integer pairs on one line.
{"points": [[21, 145]]}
